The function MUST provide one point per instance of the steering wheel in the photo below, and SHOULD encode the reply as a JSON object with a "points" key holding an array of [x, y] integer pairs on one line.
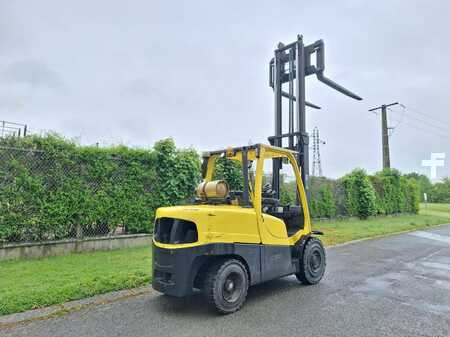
{"points": [[267, 191]]}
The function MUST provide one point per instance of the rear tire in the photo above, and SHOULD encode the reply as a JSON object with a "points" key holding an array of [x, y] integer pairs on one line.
{"points": [[226, 285], [313, 262]]}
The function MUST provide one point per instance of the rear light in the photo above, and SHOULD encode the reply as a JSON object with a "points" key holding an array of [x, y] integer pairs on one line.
{"points": [[162, 276]]}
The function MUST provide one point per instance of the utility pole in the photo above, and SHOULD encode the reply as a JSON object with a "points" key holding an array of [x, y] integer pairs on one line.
{"points": [[384, 134]]}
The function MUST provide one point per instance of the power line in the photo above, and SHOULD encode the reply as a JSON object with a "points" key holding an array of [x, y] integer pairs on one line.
{"points": [[425, 126], [424, 130], [430, 124], [422, 127], [414, 110], [392, 128]]}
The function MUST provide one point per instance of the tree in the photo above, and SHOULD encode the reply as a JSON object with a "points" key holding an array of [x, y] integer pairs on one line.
{"points": [[440, 192], [424, 184]]}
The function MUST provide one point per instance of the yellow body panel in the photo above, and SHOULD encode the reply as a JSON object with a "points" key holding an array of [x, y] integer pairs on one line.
{"points": [[215, 223], [274, 230], [237, 224]]}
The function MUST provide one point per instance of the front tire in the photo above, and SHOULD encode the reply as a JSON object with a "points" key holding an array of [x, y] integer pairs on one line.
{"points": [[226, 285], [313, 262]]}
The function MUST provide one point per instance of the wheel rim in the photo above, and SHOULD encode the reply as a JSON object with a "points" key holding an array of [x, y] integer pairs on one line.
{"points": [[315, 261], [232, 287]]}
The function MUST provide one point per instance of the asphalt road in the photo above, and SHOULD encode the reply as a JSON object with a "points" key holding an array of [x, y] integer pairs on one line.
{"points": [[395, 286]]}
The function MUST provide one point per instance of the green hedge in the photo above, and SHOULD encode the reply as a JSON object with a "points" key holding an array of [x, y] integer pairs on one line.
{"points": [[361, 195], [323, 204], [358, 194], [51, 188]]}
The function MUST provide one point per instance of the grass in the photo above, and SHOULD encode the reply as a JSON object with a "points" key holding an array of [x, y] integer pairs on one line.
{"points": [[442, 210], [28, 284], [340, 231]]}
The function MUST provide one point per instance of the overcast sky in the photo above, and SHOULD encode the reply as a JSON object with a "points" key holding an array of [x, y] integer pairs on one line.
{"points": [[134, 72]]}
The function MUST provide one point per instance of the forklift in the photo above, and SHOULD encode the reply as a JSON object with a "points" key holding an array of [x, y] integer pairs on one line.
{"points": [[231, 238]]}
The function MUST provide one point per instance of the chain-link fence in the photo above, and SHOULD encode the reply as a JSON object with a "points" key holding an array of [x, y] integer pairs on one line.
{"points": [[54, 195]]}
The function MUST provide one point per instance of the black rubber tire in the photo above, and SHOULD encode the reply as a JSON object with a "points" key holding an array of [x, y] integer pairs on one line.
{"points": [[220, 277], [313, 262]]}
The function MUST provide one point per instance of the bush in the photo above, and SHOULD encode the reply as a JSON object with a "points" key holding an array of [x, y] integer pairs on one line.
{"points": [[412, 196], [391, 193], [322, 199], [423, 183], [395, 193], [360, 194], [52, 188], [324, 203], [377, 184]]}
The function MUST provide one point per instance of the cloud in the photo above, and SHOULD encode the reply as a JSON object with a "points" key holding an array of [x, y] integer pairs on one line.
{"points": [[32, 73], [197, 71]]}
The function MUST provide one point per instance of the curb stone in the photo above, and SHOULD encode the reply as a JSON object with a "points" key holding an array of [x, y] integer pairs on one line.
{"points": [[12, 320]]}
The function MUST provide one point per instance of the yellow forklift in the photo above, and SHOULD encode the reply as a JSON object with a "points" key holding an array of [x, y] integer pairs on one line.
{"points": [[230, 239]]}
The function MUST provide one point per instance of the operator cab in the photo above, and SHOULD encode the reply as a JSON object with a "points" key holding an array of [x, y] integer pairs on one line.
{"points": [[233, 182], [284, 204]]}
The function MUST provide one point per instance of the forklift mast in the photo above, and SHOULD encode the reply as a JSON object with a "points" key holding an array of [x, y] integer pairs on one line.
{"points": [[291, 64]]}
